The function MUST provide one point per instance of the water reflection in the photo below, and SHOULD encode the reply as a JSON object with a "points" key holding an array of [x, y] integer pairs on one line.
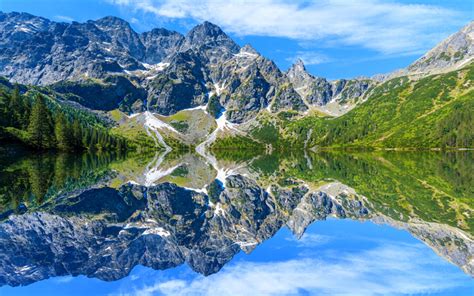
{"points": [[101, 215]]}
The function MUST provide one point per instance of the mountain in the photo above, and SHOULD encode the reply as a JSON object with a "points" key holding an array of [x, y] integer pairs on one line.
{"points": [[159, 70], [104, 65], [453, 53], [432, 112], [326, 95]]}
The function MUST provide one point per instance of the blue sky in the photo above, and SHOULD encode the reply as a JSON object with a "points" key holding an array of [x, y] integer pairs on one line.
{"points": [[335, 38], [340, 257]]}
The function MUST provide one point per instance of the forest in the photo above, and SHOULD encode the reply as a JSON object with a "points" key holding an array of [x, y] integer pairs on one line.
{"points": [[43, 124]]}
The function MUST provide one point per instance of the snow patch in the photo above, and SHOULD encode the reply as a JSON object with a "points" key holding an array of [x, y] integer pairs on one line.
{"points": [[245, 54], [156, 67], [156, 174], [219, 211], [157, 231], [154, 123], [201, 149], [133, 115]]}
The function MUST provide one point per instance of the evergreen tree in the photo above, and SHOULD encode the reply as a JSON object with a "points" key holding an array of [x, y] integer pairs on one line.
{"points": [[77, 134], [16, 109], [4, 114], [40, 128], [63, 133]]}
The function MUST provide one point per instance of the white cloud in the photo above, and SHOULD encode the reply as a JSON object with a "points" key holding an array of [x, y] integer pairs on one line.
{"points": [[386, 26], [64, 18], [391, 269], [310, 58]]}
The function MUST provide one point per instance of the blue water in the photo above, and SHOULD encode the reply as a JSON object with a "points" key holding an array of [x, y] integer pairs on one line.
{"points": [[334, 257]]}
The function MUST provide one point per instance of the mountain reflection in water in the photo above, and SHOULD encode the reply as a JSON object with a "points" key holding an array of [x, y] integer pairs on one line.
{"points": [[102, 215]]}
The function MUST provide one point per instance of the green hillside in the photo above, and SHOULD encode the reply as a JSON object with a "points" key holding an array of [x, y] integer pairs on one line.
{"points": [[433, 112]]}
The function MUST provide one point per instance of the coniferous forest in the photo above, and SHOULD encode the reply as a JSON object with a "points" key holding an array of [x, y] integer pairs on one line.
{"points": [[43, 124]]}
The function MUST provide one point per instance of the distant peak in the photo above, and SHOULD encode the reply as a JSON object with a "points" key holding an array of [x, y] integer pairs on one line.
{"points": [[112, 20], [248, 49], [206, 29], [468, 28], [298, 66]]}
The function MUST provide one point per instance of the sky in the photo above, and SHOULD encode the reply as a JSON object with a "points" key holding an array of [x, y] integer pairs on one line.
{"points": [[335, 38], [334, 257]]}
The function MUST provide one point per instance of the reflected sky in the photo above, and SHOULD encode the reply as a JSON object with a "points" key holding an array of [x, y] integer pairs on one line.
{"points": [[334, 257]]}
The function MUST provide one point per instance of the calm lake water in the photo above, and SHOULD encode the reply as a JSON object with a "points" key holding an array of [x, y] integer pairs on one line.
{"points": [[328, 223]]}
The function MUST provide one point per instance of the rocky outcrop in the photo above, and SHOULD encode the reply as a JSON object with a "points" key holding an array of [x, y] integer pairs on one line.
{"points": [[454, 52], [317, 91]]}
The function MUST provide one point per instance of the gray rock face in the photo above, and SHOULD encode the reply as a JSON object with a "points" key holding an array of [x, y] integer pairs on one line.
{"points": [[165, 72], [181, 85], [318, 91], [175, 71], [248, 82], [210, 43], [78, 50], [159, 44], [454, 52]]}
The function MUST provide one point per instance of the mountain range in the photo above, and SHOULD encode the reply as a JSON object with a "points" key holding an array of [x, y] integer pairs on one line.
{"points": [[104, 65]]}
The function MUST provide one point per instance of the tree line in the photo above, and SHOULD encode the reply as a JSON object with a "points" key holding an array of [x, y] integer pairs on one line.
{"points": [[42, 127]]}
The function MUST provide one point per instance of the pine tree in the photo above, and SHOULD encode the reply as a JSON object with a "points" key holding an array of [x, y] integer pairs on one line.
{"points": [[16, 109], [63, 132], [4, 114], [40, 128], [77, 134]]}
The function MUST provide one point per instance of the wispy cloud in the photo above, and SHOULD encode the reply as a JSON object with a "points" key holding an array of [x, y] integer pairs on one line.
{"points": [[385, 26], [310, 58], [64, 18], [390, 269]]}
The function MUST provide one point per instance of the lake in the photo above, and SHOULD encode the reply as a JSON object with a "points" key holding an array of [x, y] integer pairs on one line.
{"points": [[236, 223]]}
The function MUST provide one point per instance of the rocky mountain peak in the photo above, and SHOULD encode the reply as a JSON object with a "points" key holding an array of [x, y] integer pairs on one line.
{"points": [[454, 52], [207, 29], [112, 22], [297, 73], [299, 64], [208, 35], [248, 49], [208, 42]]}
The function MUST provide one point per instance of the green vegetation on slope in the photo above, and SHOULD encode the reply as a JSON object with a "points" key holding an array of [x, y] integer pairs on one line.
{"points": [[42, 123], [433, 112]]}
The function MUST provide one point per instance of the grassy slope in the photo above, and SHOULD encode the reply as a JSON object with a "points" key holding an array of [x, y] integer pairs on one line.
{"points": [[433, 112]]}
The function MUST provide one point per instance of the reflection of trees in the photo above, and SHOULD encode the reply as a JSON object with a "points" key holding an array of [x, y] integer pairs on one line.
{"points": [[33, 180], [431, 186], [40, 171]]}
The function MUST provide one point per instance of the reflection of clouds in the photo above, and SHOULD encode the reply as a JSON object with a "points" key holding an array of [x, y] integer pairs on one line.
{"points": [[63, 279], [386, 270], [310, 240]]}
